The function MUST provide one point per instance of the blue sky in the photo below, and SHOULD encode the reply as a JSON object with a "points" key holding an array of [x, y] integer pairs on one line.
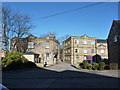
{"points": [[94, 21]]}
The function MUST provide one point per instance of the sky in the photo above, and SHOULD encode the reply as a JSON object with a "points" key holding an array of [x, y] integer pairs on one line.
{"points": [[94, 21]]}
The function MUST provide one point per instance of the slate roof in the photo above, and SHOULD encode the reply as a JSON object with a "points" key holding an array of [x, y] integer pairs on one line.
{"points": [[101, 41]]}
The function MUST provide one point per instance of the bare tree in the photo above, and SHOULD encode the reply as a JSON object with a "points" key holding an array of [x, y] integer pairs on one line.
{"points": [[16, 25], [22, 27], [7, 24], [61, 39]]}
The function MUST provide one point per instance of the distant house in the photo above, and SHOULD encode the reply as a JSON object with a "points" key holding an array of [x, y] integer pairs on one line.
{"points": [[114, 44], [42, 51]]}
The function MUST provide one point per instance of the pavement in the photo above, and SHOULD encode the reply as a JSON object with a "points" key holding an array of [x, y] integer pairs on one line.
{"points": [[61, 75]]}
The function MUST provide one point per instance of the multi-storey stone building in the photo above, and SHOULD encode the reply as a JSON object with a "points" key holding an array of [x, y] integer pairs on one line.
{"points": [[78, 49], [114, 44], [39, 50]]}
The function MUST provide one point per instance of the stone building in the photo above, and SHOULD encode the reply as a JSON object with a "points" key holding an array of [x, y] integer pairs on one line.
{"points": [[102, 49], [78, 49], [114, 44], [39, 50]]}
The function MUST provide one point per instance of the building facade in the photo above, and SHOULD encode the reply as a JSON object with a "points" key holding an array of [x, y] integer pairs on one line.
{"points": [[114, 44], [40, 50], [102, 49], [78, 49]]}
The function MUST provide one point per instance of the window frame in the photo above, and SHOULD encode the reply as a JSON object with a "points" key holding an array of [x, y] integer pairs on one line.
{"points": [[92, 42], [31, 45], [77, 50], [47, 44], [92, 51], [85, 51], [47, 56], [85, 42]]}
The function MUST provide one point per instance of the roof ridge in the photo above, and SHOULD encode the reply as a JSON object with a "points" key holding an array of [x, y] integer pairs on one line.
{"points": [[101, 39], [116, 19]]}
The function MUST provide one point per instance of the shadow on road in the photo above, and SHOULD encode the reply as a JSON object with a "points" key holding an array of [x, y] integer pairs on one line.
{"points": [[43, 78]]}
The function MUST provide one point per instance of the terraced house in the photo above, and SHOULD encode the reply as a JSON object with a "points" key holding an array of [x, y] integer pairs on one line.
{"points": [[77, 49], [39, 50]]}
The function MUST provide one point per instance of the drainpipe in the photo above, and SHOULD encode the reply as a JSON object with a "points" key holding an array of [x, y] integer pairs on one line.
{"points": [[43, 59]]}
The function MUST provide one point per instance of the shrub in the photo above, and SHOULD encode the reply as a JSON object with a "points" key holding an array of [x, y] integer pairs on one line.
{"points": [[101, 65], [12, 65], [89, 66], [15, 60], [13, 56], [107, 67], [81, 65], [114, 66], [85, 64], [95, 66]]}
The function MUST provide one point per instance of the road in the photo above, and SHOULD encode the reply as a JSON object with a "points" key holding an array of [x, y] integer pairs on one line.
{"points": [[61, 75]]}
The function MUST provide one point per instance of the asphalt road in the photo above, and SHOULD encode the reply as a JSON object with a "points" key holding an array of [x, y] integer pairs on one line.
{"points": [[62, 75]]}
